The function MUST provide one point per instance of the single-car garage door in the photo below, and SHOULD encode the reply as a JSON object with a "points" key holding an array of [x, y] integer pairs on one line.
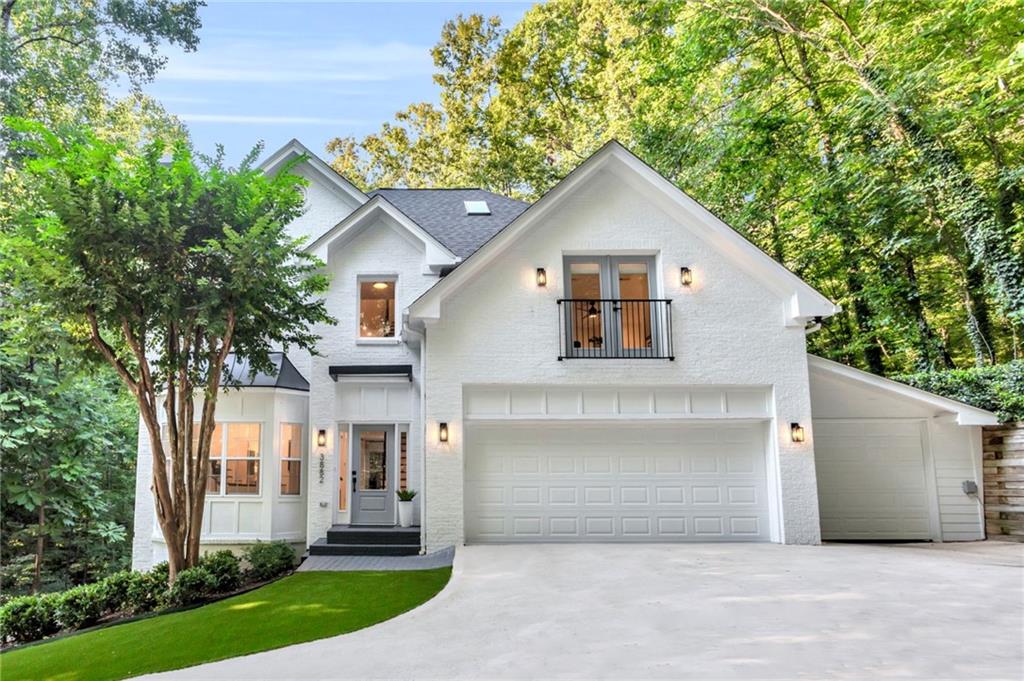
{"points": [[871, 479], [628, 482]]}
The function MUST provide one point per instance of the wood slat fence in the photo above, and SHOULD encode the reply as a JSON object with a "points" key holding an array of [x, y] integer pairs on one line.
{"points": [[1003, 452]]}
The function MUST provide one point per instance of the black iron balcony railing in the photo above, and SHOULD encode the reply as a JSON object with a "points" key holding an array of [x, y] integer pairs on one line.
{"points": [[614, 329]]}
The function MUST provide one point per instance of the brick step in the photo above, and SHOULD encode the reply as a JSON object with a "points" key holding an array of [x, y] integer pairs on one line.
{"points": [[373, 535], [323, 548]]}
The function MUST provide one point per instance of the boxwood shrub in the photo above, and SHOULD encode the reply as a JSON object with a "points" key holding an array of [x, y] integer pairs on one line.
{"points": [[192, 585], [81, 606], [225, 568], [28, 618], [268, 560]]}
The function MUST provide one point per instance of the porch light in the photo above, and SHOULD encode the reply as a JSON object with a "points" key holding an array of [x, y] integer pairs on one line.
{"points": [[796, 432], [442, 432], [542, 277], [685, 276], [321, 438]]}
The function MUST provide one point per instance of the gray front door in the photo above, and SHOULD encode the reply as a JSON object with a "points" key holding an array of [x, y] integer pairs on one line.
{"points": [[373, 475]]}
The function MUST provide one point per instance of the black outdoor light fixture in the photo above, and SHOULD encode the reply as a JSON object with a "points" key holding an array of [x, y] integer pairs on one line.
{"points": [[442, 432], [796, 432], [685, 276], [542, 277], [321, 438]]}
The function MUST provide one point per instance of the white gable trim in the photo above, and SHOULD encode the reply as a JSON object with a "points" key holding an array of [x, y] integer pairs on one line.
{"points": [[965, 414], [294, 149], [436, 257], [803, 302]]}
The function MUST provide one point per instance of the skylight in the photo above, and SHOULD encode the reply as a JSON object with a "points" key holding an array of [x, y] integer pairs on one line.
{"points": [[477, 208]]}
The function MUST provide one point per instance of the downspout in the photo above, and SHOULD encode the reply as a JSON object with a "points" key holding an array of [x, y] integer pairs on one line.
{"points": [[422, 338]]}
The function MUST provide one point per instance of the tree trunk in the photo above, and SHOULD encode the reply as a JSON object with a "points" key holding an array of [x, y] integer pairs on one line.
{"points": [[37, 573], [979, 324], [933, 350]]}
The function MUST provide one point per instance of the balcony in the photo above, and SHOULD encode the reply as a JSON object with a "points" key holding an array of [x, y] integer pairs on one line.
{"points": [[614, 329]]}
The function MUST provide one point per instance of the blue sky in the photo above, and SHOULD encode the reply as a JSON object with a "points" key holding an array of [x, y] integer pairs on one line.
{"points": [[272, 71]]}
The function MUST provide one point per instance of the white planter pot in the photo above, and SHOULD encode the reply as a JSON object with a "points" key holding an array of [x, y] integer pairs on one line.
{"points": [[405, 513]]}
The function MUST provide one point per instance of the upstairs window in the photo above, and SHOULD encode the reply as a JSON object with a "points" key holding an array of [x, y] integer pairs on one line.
{"points": [[377, 308]]}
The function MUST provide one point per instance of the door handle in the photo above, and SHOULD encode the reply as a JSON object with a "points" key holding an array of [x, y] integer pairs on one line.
{"points": [[354, 476]]}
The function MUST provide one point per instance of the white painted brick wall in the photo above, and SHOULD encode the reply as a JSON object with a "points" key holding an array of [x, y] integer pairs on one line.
{"points": [[145, 513], [379, 250], [502, 329]]}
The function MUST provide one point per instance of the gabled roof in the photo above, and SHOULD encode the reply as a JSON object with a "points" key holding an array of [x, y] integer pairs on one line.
{"points": [[965, 414], [437, 254], [238, 374], [803, 302], [294, 149], [442, 212]]}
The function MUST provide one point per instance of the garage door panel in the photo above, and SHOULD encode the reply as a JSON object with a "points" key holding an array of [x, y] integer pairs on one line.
{"points": [[871, 480], [613, 484]]}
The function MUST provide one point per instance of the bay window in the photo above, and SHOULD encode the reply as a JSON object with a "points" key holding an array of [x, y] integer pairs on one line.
{"points": [[291, 459]]}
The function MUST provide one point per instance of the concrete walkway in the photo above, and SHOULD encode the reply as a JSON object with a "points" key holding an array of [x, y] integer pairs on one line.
{"points": [[437, 559], [706, 611]]}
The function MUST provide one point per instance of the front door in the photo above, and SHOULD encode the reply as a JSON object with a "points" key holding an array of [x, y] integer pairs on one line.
{"points": [[373, 475]]}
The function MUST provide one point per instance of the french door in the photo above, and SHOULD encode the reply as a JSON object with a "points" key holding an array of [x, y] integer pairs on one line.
{"points": [[373, 474], [610, 309]]}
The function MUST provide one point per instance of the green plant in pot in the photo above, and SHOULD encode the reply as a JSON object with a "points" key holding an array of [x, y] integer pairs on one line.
{"points": [[405, 497]]}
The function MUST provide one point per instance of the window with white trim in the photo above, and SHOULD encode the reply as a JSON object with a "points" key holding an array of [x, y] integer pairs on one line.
{"points": [[377, 307], [291, 459]]}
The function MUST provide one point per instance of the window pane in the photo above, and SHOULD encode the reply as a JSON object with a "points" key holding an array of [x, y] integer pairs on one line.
{"points": [[373, 460], [291, 441], [243, 477], [213, 479], [634, 318], [243, 439], [403, 466], [216, 442], [343, 469], [291, 477], [377, 309]]}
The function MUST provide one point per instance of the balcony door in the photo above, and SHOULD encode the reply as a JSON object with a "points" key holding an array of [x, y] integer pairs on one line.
{"points": [[609, 313]]}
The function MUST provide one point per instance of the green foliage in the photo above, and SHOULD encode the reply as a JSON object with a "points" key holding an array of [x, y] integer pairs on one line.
{"points": [[225, 569], [81, 606], [28, 618], [192, 585], [406, 494], [874, 148], [999, 388], [266, 560]]}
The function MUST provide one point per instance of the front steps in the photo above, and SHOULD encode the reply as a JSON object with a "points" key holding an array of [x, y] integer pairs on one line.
{"points": [[367, 540]]}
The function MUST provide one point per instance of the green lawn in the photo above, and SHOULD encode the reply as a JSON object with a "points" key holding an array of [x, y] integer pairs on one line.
{"points": [[302, 607]]}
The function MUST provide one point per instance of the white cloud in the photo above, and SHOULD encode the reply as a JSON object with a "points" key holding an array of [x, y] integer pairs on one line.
{"points": [[242, 119], [253, 61]]}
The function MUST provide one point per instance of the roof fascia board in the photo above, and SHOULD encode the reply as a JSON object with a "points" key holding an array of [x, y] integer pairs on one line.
{"points": [[966, 415], [295, 148], [436, 253]]}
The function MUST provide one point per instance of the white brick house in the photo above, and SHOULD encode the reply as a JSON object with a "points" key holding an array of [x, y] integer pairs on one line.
{"points": [[612, 363]]}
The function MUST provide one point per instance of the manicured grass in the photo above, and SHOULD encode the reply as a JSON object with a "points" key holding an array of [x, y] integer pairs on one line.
{"points": [[302, 607]]}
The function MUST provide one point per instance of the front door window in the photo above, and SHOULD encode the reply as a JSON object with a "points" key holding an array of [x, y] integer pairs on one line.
{"points": [[373, 460]]}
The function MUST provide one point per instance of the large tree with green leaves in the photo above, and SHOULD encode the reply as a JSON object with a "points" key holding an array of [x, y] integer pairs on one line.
{"points": [[164, 267]]}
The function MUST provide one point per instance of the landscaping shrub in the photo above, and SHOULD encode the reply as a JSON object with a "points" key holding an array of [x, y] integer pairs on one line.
{"points": [[145, 591], [115, 591], [998, 388], [28, 618], [81, 606], [192, 585], [268, 560], [225, 568]]}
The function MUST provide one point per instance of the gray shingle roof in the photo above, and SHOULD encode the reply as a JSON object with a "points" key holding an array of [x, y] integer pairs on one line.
{"points": [[238, 373], [442, 213]]}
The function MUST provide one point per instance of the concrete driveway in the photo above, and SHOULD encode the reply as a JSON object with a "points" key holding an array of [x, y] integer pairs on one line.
{"points": [[697, 611]]}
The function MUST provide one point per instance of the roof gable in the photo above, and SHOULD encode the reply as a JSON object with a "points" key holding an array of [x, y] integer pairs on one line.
{"points": [[803, 302], [295, 149]]}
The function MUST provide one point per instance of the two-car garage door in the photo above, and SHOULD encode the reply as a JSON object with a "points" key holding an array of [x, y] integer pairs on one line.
{"points": [[629, 482]]}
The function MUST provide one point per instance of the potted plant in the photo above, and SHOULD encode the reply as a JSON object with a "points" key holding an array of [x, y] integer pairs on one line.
{"points": [[405, 497]]}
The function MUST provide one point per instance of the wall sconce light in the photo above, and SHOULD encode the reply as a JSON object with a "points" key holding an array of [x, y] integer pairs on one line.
{"points": [[321, 438], [796, 432], [442, 432], [685, 276], [542, 277]]}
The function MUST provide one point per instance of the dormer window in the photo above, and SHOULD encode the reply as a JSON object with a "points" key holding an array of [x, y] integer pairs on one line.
{"points": [[477, 208], [377, 307]]}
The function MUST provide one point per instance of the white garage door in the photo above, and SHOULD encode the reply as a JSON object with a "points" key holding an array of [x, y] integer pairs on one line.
{"points": [[871, 479], [565, 483]]}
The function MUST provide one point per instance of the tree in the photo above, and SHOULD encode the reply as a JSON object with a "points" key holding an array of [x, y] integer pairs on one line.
{"points": [[165, 268]]}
